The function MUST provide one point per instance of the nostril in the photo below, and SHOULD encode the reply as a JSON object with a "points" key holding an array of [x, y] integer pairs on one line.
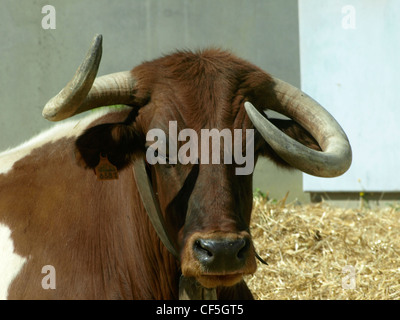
{"points": [[202, 248], [243, 249]]}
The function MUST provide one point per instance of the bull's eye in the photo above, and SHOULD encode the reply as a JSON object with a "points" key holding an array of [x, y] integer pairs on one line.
{"points": [[168, 165], [158, 157], [163, 158]]}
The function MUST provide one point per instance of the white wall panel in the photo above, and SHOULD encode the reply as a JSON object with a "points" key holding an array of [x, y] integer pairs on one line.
{"points": [[350, 63]]}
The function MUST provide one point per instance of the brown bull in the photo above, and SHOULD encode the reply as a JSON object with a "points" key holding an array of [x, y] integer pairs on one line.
{"points": [[96, 234]]}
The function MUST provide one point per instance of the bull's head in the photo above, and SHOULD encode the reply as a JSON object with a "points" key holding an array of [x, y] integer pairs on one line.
{"points": [[206, 207]]}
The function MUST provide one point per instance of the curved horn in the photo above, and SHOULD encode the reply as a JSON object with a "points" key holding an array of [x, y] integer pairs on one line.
{"points": [[336, 154], [85, 92]]}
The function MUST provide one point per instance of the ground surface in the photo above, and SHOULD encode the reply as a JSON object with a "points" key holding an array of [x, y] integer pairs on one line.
{"points": [[319, 251]]}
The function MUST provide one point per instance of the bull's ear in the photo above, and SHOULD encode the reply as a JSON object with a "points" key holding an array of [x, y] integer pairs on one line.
{"points": [[293, 130], [116, 141]]}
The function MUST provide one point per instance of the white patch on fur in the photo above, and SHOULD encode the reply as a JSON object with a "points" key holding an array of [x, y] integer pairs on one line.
{"points": [[10, 262], [72, 128]]}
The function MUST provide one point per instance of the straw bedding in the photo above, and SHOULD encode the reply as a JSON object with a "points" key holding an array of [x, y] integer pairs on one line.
{"points": [[318, 251]]}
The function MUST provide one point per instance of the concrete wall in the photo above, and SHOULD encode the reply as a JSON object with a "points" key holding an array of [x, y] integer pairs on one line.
{"points": [[36, 63]]}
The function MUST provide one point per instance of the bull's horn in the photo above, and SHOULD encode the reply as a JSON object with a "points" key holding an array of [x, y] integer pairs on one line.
{"points": [[336, 154], [85, 92]]}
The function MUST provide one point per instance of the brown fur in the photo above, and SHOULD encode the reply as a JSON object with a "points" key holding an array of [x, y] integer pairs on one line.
{"points": [[97, 234]]}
